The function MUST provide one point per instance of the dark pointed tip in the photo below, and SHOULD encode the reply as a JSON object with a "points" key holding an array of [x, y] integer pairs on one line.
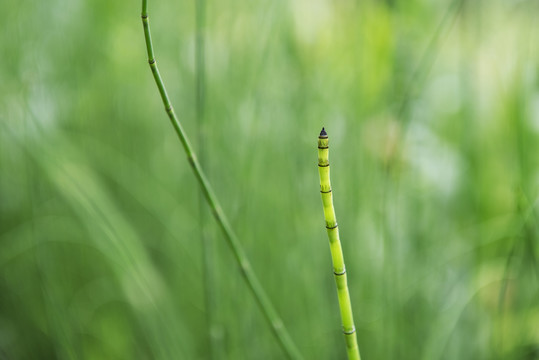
{"points": [[323, 133]]}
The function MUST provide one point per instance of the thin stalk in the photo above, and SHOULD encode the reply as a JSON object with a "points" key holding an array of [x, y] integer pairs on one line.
{"points": [[339, 269], [240, 256], [208, 257]]}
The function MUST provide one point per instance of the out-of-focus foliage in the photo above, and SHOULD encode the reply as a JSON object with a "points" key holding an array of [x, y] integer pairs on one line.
{"points": [[432, 108]]}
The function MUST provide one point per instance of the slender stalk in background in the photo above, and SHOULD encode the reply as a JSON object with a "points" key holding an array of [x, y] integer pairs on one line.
{"points": [[339, 269], [247, 272], [208, 255]]}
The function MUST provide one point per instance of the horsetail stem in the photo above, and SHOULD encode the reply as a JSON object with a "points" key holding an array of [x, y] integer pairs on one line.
{"points": [[339, 269], [240, 256]]}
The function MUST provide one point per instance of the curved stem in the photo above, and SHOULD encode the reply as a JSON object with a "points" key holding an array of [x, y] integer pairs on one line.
{"points": [[247, 272], [339, 269]]}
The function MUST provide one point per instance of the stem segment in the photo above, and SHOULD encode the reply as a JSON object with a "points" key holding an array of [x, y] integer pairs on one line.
{"points": [[247, 272], [339, 269]]}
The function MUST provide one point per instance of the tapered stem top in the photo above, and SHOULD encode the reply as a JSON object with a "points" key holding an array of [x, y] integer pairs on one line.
{"points": [[323, 133]]}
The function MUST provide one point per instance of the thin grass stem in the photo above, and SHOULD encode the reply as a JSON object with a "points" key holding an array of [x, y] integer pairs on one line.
{"points": [[208, 256], [339, 269], [240, 256]]}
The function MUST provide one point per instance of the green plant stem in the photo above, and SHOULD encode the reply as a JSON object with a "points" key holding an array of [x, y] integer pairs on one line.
{"points": [[339, 269], [209, 258], [247, 272]]}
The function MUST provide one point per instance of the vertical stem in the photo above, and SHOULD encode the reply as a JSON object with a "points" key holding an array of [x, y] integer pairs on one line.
{"points": [[240, 256], [208, 256], [339, 269]]}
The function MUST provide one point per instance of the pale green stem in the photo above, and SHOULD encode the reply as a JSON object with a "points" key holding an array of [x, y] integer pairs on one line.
{"points": [[339, 269], [247, 272], [208, 258]]}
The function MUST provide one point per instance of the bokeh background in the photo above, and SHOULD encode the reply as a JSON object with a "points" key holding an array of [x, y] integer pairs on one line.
{"points": [[432, 108]]}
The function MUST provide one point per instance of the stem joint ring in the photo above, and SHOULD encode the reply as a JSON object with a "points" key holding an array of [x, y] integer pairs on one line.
{"points": [[340, 273]]}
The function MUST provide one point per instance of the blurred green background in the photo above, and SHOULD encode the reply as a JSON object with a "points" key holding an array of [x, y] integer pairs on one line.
{"points": [[432, 108]]}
